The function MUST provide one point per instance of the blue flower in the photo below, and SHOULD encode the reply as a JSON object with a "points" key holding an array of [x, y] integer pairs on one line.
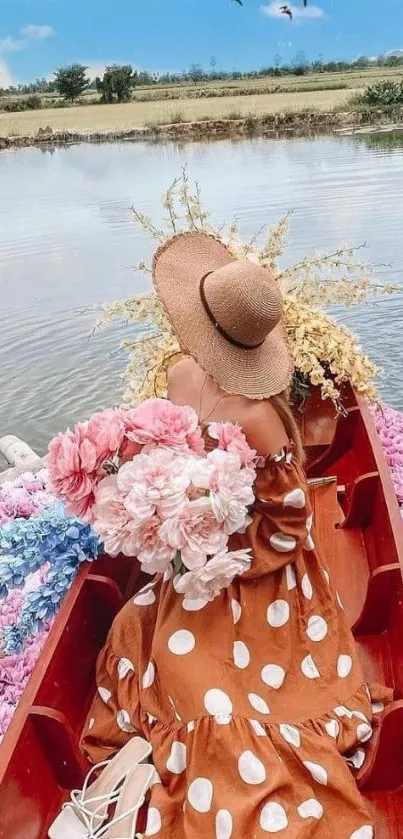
{"points": [[28, 544]]}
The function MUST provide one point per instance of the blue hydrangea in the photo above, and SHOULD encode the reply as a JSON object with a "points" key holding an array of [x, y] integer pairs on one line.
{"points": [[28, 544]]}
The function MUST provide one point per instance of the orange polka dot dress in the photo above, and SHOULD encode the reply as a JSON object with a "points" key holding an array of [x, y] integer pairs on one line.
{"points": [[254, 703]]}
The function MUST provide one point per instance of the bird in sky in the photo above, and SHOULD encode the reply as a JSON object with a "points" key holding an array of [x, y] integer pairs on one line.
{"points": [[285, 10]]}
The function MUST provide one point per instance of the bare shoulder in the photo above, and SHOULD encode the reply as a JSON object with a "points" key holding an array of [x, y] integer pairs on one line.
{"points": [[180, 379], [264, 428]]}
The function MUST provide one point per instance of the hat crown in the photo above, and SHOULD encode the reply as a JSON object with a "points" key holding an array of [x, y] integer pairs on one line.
{"points": [[244, 301]]}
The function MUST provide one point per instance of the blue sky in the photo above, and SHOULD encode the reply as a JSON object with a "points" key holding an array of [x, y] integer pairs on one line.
{"points": [[36, 36]]}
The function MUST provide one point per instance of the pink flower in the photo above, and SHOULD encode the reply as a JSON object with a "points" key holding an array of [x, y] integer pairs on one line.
{"points": [[154, 482], [230, 487], [111, 521], [207, 582], [159, 421], [154, 554], [106, 431], [232, 439], [72, 465], [195, 532], [195, 442]]}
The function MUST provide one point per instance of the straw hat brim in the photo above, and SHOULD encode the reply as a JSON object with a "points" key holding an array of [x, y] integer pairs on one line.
{"points": [[178, 268]]}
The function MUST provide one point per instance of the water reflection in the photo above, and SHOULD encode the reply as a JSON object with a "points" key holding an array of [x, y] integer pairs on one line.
{"points": [[67, 244], [383, 141]]}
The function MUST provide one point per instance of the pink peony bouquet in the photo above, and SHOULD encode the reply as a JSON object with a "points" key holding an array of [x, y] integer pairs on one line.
{"points": [[144, 481]]}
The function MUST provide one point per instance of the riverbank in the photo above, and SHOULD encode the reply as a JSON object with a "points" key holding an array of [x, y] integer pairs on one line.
{"points": [[296, 124]]}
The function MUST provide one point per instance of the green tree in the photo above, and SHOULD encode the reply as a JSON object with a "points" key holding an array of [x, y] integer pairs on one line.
{"points": [[71, 81], [117, 83], [195, 73]]}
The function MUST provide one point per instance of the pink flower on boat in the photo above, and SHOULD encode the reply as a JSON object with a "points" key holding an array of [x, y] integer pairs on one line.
{"points": [[218, 573], [72, 463], [195, 532], [231, 439], [155, 482], [111, 520], [159, 421]]}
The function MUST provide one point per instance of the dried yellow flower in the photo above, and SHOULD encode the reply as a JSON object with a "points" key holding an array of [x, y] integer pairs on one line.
{"points": [[325, 353]]}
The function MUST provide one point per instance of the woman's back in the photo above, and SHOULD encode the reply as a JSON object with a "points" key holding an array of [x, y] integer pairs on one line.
{"points": [[189, 385]]}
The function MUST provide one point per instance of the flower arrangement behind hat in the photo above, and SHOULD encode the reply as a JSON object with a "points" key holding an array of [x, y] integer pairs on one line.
{"points": [[143, 480], [325, 353]]}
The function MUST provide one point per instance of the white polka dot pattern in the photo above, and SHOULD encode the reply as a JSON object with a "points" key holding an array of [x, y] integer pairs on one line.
{"points": [[344, 666], [333, 728], [236, 610], [181, 642], [223, 824], [176, 762], [291, 735], [257, 728], [258, 703], [282, 543], [193, 605], [290, 577], [125, 666], [200, 795], [309, 668], [251, 769], [273, 818], [278, 613], [124, 722], [357, 759], [306, 586], [365, 832], [364, 732], [217, 702], [104, 693], [309, 544], [241, 655], [317, 772], [145, 598], [310, 809], [273, 676], [153, 822], [295, 498], [149, 676], [317, 628]]}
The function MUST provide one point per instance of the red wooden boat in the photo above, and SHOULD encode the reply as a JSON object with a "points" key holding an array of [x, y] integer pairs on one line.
{"points": [[360, 531]]}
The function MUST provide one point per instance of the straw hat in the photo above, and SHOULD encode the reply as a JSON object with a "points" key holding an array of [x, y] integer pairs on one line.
{"points": [[226, 314]]}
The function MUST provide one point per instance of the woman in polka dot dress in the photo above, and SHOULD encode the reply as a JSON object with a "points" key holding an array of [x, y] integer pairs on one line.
{"points": [[254, 704]]}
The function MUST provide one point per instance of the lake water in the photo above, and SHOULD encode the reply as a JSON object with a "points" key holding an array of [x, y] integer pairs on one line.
{"points": [[68, 244]]}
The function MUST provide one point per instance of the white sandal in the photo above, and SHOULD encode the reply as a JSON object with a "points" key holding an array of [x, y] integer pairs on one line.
{"points": [[88, 807]]}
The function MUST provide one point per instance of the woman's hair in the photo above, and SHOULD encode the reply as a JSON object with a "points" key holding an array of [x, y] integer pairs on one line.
{"points": [[281, 404]]}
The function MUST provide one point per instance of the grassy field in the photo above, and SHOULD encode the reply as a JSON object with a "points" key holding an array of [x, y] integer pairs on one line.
{"points": [[87, 118], [189, 102]]}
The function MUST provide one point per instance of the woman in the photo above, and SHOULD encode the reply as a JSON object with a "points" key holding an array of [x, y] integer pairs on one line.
{"points": [[249, 701]]}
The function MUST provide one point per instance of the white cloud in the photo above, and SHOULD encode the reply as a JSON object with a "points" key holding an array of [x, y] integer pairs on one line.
{"points": [[10, 44], [298, 12], [37, 33]]}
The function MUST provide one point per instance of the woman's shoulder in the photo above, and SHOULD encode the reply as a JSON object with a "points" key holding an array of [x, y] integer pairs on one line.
{"points": [[264, 429]]}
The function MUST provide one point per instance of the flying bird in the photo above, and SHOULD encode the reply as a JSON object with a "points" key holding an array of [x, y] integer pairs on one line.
{"points": [[285, 10]]}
